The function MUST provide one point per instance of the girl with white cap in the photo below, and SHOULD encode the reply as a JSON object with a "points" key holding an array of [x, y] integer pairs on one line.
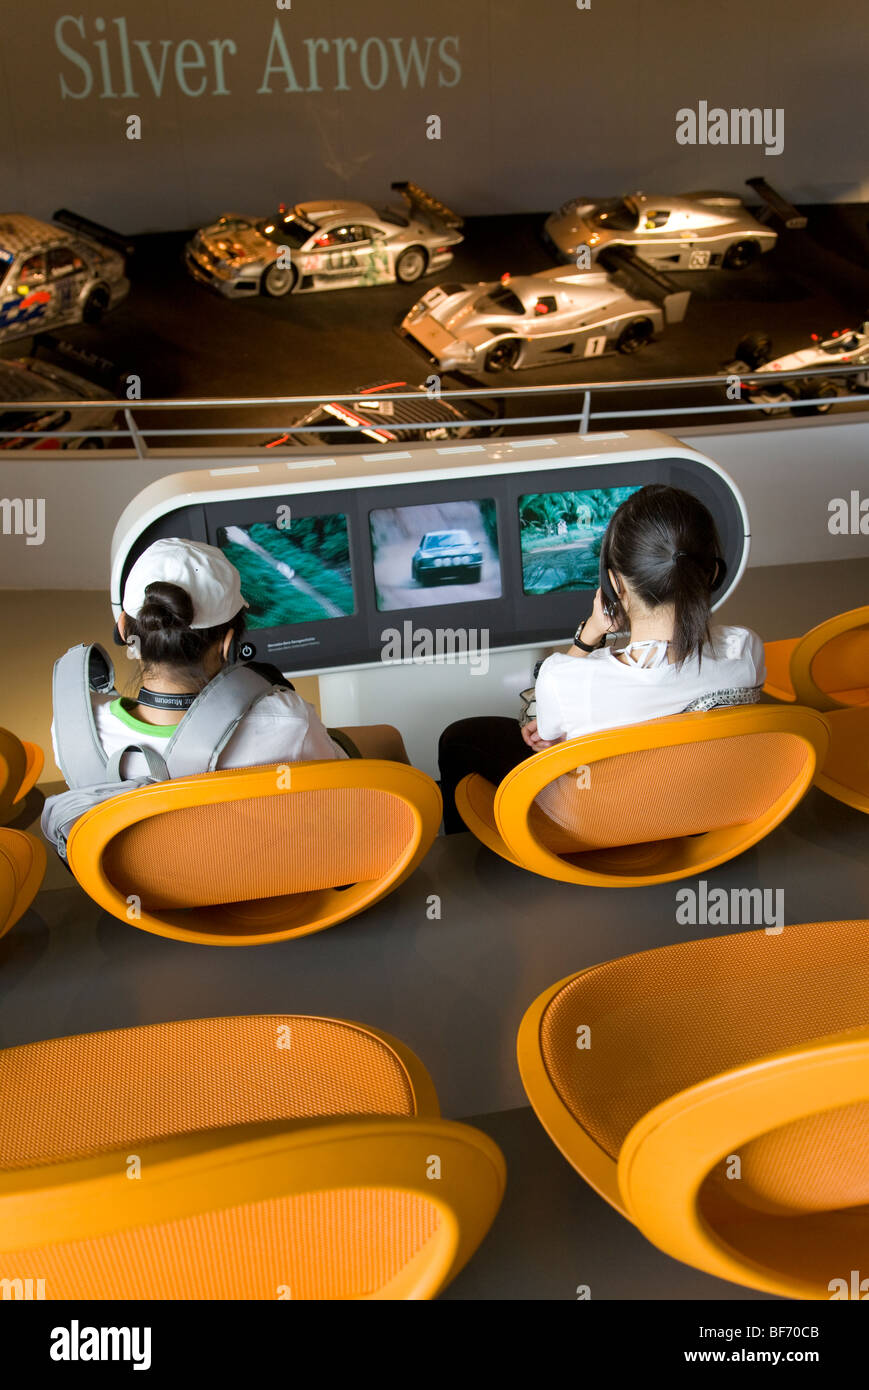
{"points": [[183, 619]]}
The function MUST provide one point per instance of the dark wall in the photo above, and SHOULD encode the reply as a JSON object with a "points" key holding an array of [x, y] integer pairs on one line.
{"points": [[538, 100]]}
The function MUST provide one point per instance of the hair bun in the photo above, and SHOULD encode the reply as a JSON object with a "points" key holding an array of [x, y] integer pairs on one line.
{"points": [[166, 606]]}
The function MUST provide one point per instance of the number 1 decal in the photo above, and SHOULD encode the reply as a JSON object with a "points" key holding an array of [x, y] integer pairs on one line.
{"points": [[595, 347]]}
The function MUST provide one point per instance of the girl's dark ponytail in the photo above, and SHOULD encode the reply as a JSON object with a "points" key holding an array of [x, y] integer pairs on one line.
{"points": [[691, 585], [664, 542]]}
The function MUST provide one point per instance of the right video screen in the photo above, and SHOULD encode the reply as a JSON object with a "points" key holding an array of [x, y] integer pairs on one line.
{"points": [[560, 535]]}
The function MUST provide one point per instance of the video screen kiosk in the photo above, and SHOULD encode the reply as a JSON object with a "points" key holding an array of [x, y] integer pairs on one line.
{"points": [[422, 584]]}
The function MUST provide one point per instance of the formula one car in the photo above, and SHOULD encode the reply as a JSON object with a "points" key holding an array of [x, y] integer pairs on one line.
{"points": [[846, 346], [445, 555], [24, 381], [68, 271], [554, 316], [325, 246], [694, 231], [387, 421]]}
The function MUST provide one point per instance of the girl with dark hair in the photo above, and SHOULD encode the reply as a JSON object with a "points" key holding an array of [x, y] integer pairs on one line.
{"points": [[183, 620], [660, 559]]}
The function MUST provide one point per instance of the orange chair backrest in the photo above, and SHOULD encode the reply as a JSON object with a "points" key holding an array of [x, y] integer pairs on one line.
{"points": [[283, 1066], [259, 847], [663, 1020], [8, 888], [833, 657], [665, 793], [13, 766], [842, 664]]}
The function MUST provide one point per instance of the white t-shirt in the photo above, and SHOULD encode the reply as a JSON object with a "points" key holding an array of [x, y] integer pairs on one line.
{"points": [[580, 695], [281, 727]]}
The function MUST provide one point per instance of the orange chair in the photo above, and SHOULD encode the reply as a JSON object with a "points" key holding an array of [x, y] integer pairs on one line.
{"points": [[20, 766], [716, 1093], [22, 868], [254, 855], [264, 1157], [826, 669], [650, 802], [844, 773]]}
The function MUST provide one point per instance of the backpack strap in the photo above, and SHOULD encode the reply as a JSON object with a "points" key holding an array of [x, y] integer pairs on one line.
{"points": [[157, 769], [79, 671], [212, 720]]}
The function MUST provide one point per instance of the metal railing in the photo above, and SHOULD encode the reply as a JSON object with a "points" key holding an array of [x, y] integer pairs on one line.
{"points": [[136, 434]]}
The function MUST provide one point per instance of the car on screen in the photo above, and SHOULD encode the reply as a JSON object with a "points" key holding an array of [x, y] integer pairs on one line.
{"points": [[53, 273], [694, 231], [555, 316], [29, 389], [328, 245], [442, 556], [845, 347], [375, 417]]}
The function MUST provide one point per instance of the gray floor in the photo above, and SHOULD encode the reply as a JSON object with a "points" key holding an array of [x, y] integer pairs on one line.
{"points": [[455, 989]]}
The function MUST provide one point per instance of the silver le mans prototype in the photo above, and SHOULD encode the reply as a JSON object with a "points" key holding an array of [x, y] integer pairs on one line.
{"points": [[326, 246], [695, 231], [69, 271], [554, 316], [846, 347]]}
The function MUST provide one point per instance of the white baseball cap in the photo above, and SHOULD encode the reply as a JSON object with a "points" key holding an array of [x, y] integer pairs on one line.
{"points": [[202, 571]]}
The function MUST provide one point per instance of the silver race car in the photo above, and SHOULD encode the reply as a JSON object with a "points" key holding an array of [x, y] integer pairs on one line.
{"points": [[374, 417], [555, 316], [845, 347], [325, 246], [30, 387], [69, 271], [695, 231]]}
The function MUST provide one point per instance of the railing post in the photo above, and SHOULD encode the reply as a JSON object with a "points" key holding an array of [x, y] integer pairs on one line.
{"points": [[586, 412], [138, 441]]}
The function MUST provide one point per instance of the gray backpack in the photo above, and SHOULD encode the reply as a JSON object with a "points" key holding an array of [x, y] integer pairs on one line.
{"points": [[92, 777]]}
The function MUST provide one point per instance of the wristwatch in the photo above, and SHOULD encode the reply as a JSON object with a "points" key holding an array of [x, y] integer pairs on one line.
{"points": [[585, 646]]}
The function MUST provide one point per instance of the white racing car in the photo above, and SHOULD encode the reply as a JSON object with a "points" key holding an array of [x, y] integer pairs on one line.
{"points": [[331, 245], [690, 231], [846, 347], [552, 317]]}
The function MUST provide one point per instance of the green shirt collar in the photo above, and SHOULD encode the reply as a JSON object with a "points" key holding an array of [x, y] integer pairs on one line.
{"points": [[118, 709]]}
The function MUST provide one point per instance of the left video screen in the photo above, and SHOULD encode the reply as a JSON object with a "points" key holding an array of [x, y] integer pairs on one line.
{"points": [[436, 553], [297, 571]]}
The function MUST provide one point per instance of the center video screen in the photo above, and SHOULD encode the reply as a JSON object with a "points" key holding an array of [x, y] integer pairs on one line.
{"points": [[438, 552], [293, 571], [560, 535]]}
